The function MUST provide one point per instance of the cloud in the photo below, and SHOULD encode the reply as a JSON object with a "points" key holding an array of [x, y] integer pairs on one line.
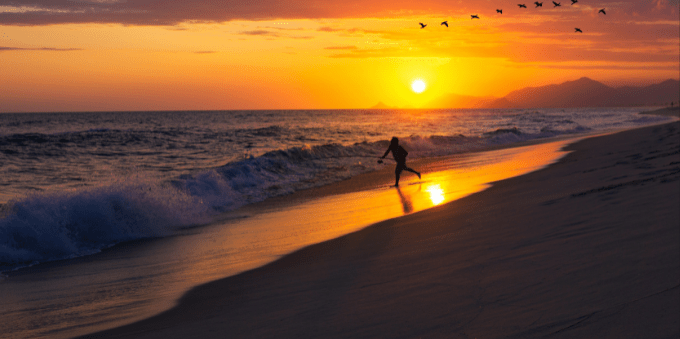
{"points": [[205, 52], [39, 49], [328, 29], [340, 47], [270, 34], [171, 12], [650, 66], [259, 32]]}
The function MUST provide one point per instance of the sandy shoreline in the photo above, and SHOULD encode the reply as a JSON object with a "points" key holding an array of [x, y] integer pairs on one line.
{"points": [[588, 247]]}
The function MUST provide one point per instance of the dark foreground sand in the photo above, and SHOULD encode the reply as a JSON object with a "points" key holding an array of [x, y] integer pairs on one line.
{"points": [[586, 248]]}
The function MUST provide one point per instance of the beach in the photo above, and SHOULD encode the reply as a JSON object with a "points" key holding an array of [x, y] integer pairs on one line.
{"points": [[301, 169], [587, 247]]}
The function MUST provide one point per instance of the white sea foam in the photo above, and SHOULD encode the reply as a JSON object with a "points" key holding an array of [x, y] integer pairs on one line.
{"points": [[54, 226]]}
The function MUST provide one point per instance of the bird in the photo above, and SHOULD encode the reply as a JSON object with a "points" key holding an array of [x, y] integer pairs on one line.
{"points": [[538, 4], [574, 1], [602, 11], [578, 30], [556, 4], [445, 23], [474, 16], [522, 5], [499, 11], [422, 25]]}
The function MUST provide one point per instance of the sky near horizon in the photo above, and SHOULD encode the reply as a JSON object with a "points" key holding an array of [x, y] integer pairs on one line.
{"points": [[121, 55]]}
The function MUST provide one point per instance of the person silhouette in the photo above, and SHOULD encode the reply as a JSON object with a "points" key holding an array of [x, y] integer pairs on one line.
{"points": [[399, 154]]}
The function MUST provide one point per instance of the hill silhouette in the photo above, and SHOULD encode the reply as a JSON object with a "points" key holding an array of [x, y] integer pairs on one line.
{"points": [[583, 92], [380, 105]]}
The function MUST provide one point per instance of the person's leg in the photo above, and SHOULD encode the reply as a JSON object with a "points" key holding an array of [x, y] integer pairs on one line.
{"points": [[397, 173], [412, 170]]}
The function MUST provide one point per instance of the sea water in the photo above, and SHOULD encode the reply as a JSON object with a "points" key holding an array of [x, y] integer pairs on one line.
{"points": [[72, 184]]}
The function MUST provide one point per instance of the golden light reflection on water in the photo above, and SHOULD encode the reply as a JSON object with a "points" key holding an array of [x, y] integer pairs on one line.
{"points": [[436, 194]]}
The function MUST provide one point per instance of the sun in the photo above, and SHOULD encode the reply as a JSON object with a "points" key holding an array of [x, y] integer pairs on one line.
{"points": [[418, 86]]}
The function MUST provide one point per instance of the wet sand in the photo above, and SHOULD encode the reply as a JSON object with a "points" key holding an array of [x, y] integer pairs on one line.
{"points": [[588, 247]]}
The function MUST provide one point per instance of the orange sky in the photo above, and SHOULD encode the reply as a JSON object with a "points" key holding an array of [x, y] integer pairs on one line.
{"points": [[110, 55]]}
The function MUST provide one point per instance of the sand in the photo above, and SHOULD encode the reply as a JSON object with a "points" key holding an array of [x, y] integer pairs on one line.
{"points": [[588, 247]]}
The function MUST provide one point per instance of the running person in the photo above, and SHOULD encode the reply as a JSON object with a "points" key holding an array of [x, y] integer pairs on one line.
{"points": [[399, 154]]}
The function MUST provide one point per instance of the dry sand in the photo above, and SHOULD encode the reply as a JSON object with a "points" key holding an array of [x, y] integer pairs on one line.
{"points": [[586, 248]]}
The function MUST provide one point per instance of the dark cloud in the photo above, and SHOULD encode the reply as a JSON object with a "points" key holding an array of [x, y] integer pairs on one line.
{"points": [[39, 49], [614, 67], [328, 29], [270, 34], [259, 32], [172, 12]]}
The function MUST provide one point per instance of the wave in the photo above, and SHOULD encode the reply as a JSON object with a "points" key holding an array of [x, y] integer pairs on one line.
{"points": [[59, 225], [64, 225]]}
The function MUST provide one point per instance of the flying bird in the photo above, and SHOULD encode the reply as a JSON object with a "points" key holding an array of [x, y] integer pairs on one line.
{"points": [[578, 30], [574, 1], [445, 23], [522, 5], [499, 11], [602, 11], [422, 25], [538, 4], [556, 4], [474, 16]]}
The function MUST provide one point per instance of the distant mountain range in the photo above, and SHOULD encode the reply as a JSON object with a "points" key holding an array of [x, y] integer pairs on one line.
{"points": [[583, 92], [586, 92]]}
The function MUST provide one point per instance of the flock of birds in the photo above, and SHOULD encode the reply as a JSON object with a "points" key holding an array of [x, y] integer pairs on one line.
{"points": [[538, 4]]}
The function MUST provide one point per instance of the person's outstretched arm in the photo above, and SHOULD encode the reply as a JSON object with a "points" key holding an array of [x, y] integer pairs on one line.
{"points": [[387, 152]]}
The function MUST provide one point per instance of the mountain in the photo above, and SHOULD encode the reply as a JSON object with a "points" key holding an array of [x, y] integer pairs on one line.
{"points": [[586, 92], [658, 94], [500, 103], [380, 105], [583, 92]]}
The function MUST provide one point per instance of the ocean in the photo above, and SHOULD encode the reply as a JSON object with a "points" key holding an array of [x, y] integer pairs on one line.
{"points": [[77, 184]]}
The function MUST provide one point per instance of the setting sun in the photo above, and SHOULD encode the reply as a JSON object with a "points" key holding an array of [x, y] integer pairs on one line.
{"points": [[418, 86]]}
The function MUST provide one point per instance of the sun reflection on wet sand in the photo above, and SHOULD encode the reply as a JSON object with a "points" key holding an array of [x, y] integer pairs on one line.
{"points": [[436, 194]]}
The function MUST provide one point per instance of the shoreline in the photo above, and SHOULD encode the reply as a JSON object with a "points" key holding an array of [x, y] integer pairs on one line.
{"points": [[387, 268]]}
